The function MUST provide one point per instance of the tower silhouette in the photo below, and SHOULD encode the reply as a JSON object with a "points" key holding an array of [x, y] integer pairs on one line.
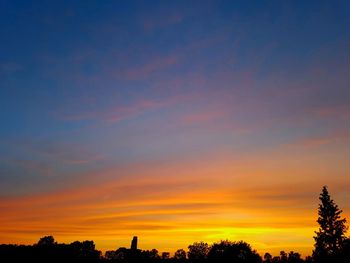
{"points": [[134, 243]]}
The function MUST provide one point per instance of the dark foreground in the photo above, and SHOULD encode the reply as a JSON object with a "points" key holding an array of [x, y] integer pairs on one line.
{"points": [[47, 250]]}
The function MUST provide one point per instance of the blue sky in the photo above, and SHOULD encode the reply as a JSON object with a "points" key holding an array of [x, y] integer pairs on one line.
{"points": [[116, 77]]}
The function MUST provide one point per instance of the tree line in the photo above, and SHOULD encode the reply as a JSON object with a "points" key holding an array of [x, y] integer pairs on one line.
{"points": [[331, 246]]}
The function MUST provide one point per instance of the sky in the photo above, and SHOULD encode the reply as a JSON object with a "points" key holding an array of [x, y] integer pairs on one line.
{"points": [[176, 121]]}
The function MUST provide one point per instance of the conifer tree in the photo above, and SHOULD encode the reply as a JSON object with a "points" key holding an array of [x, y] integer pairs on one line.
{"points": [[331, 234]]}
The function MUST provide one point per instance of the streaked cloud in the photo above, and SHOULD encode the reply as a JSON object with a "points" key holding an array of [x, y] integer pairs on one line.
{"points": [[157, 205], [321, 140], [147, 69]]}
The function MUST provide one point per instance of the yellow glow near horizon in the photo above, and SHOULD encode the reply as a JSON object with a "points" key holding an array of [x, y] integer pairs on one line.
{"points": [[169, 209]]}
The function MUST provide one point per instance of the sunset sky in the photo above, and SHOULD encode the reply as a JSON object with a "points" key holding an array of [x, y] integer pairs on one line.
{"points": [[176, 121]]}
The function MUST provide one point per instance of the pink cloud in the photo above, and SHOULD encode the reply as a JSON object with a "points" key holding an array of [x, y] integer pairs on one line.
{"points": [[202, 117], [119, 113], [149, 68], [179, 84], [339, 111], [317, 141]]}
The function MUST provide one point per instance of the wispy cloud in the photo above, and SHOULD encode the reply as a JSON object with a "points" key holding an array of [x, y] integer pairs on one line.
{"points": [[119, 113], [216, 197], [336, 111], [143, 71], [321, 140], [203, 117], [148, 207], [115, 114]]}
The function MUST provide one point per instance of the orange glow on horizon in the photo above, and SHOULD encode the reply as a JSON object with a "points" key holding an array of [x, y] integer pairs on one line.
{"points": [[168, 212]]}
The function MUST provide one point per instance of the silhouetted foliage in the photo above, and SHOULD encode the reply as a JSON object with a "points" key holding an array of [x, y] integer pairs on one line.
{"points": [[267, 258], [276, 259], [165, 255], [294, 257], [85, 252], [112, 255], [180, 255], [150, 255], [345, 253], [46, 241], [283, 257], [330, 237], [47, 250], [226, 251], [198, 251]]}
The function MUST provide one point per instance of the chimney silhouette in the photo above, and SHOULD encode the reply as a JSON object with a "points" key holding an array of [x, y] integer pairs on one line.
{"points": [[134, 243]]}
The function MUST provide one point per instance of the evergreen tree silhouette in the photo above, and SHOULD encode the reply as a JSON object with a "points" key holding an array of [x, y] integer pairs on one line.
{"points": [[331, 234]]}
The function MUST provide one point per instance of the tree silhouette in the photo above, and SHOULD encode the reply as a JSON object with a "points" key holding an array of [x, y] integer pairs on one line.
{"points": [[345, 255], [154, 254], [165, 255], [150, 255], [227, 251], [180, 255], [283, 257], [198, 251], [330, 237], [267, 258], [294, 257], [46, 241], [111, 255]]}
